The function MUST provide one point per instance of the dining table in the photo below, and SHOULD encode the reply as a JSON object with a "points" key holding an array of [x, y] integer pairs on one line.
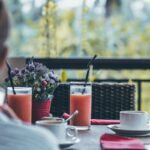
{"points": [[90, 139]]}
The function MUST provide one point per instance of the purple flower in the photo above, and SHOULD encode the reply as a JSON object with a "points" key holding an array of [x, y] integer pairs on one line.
{"points": [[13, 73], [51, 74], [27, 67], [23, 71], [52, 81], [36, 64], [31, 67], [16, 70], [42, 80]]}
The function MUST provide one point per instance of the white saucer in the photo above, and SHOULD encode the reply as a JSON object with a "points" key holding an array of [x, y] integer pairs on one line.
{"points": [[129, 132], [67, 143]]}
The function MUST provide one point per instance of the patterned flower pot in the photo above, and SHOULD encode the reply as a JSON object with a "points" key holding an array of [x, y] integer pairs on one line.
{"points": [[40, 110]]}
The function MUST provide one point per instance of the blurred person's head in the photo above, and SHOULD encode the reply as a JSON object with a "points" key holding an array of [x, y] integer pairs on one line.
{"points": [[4, 31]]}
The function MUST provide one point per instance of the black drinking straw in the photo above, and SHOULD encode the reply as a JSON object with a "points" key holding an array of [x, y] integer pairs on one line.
{"points": [[10, 77], [87, 73]]}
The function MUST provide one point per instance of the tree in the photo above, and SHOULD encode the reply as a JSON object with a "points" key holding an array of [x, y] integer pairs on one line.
{"points": [[22, 26]]}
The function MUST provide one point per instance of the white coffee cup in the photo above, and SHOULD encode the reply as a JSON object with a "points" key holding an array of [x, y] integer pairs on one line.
{"points": [[59, 128], [134, 120]]}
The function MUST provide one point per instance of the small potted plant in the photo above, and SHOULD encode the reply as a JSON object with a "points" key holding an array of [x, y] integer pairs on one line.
{"points": [[43, 82]]}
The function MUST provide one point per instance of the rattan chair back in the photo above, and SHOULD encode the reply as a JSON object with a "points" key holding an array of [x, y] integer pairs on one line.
{"points": [[108, 99]]}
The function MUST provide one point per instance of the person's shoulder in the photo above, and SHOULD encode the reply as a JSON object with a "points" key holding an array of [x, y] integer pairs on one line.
{"points": [[37, 138]]}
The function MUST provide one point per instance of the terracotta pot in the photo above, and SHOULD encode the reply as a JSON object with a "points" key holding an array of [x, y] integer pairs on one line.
{"points": [[40, 110]]}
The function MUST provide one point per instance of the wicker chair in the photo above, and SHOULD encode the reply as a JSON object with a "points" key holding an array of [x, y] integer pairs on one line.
{"points": [[108, 99]]}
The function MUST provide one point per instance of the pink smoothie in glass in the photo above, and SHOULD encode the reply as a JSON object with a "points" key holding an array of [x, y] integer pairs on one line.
{"points": [[82, 103], [22, 106]]}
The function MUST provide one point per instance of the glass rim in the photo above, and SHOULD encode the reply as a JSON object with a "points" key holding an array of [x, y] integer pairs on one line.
{"points": [[19, 88], [81, 89], [80, 83], [4, 91], [2, 88]]}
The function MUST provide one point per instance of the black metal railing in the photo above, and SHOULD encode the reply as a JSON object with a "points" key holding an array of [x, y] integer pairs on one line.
{"points": [[102, 63]]}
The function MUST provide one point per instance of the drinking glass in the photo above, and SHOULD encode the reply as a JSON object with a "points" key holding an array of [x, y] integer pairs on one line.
{"points": [[80, 99], [2, 95], [21, 102]]}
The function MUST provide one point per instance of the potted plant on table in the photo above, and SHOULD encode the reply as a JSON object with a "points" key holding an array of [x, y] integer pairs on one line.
{"points": [[43, 82]]}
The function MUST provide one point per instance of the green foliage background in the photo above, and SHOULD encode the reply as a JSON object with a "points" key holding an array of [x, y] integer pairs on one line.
{"points": [[71, 34], [48, 31]]}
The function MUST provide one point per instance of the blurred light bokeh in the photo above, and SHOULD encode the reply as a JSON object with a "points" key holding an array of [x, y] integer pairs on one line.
{"points": [[110, 28]]}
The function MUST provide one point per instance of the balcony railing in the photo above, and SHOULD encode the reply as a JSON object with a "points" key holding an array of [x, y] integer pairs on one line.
{"points": [[102, 63]]}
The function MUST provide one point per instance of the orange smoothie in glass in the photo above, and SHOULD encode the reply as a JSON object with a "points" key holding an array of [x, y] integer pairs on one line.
{"points": [[21, 103], [81, 102]]}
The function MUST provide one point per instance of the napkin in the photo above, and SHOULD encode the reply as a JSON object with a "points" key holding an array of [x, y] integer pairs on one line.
{"points": [[97, 121], [115, 142]]}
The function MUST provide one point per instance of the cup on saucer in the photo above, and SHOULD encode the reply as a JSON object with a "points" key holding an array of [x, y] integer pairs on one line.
{"points": [[136, 120], [59, 128]]}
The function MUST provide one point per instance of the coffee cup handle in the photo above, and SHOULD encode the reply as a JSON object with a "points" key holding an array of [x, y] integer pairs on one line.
{"points": [[71, 132]]}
